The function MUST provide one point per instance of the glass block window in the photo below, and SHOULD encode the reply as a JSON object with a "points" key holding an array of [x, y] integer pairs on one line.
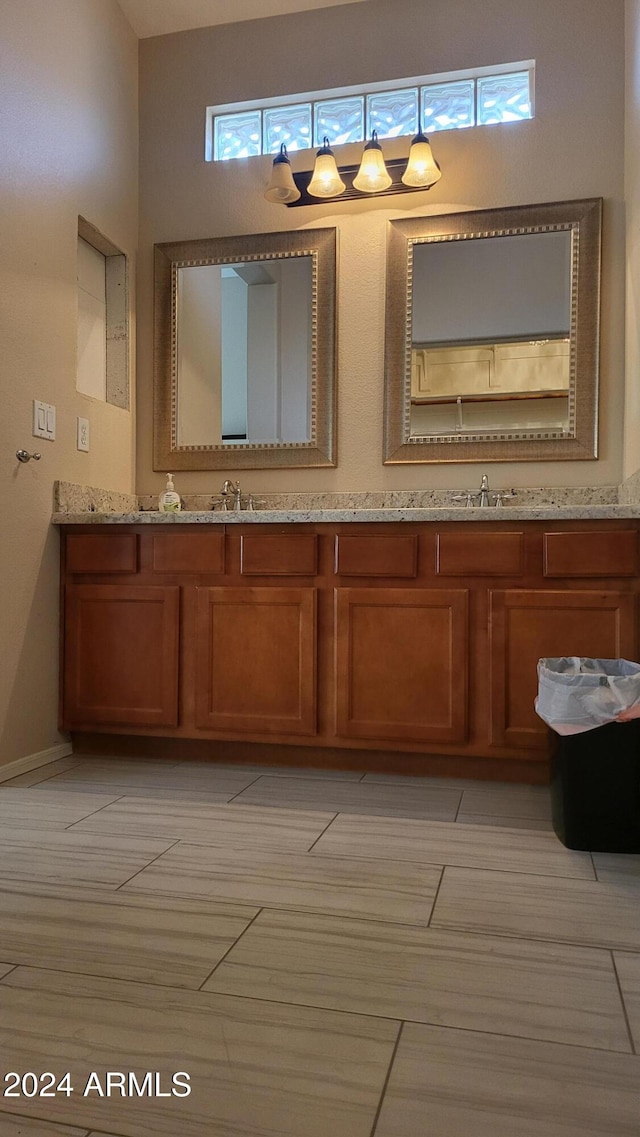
{"points": [[291, 125], [238, 135], [504, 98], [339, 120], [392, 113], [448, 106]]}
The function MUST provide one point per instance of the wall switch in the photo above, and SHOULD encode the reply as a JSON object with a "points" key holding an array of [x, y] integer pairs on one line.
{"points": [[44, 420], [83, 434]]}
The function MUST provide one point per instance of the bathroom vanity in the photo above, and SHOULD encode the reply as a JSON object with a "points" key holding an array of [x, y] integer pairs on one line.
{"points": [[412, 634]]}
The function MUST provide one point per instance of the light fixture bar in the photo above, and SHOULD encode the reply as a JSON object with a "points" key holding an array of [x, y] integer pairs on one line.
{"points": [[395, 167]]}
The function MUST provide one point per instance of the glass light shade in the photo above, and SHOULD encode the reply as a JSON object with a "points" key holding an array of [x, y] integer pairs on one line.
{"points": [[373, 176], [282, 189], [326, 180], [422, 168]]}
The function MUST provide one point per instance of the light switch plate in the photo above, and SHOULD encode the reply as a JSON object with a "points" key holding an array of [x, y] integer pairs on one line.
{"points": [[83, 434], [44, 420]]}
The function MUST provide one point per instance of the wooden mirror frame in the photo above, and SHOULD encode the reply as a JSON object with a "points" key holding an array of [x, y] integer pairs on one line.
{"points": [[320, 450], [583, 219]]}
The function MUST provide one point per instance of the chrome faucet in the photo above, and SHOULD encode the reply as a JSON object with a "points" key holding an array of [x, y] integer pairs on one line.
{"points": [[483, 493], [231, 490]]}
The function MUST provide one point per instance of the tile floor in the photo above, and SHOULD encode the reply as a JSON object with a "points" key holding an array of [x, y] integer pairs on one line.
{"points": [[326, 954]]}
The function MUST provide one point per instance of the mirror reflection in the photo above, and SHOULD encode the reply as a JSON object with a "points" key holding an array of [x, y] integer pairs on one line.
{"points": [[243, 352], [490, 334]]}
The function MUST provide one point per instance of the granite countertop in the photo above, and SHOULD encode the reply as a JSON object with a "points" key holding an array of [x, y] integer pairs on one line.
{"points": [[279, 516], [86, 505]]}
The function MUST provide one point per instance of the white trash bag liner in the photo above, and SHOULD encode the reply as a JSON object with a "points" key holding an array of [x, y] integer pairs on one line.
{"points": [[575, 694]]}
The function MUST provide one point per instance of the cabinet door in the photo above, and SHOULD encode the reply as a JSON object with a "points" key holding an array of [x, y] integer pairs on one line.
{"points": [[256, 660], [121, 655], [528, 626], [401, 664]]}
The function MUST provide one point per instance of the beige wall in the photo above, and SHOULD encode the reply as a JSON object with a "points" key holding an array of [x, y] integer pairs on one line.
{"points": [[68, 132], [632, 197], [572, 149]]}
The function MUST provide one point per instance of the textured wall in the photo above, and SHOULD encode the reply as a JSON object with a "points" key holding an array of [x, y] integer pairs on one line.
{"points": [[68, 131], [572, 149], [632, 198]]}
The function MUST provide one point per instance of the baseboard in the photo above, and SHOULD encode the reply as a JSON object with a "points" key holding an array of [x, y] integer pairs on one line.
{"points": [[33, 761]]}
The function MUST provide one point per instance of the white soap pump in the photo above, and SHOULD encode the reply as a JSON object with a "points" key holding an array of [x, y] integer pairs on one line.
{"points": [[169, 501]]}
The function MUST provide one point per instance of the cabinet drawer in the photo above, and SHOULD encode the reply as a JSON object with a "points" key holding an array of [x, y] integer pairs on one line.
{"points": [[591, 554], [395, 555], [102, 552], [480, 554], [188, 552], [283, 554]]}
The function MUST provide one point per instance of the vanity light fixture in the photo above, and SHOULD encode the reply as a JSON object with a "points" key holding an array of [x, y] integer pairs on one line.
{"points": [[372, 178], [282, 189], [325, 181], [422, 170]]}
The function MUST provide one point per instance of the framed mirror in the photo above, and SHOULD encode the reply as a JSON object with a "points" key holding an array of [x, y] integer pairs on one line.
{"points": [[244, 353], [491, 335]]}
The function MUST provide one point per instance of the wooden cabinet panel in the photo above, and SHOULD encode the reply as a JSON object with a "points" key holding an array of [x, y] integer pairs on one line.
{"points": [[121, 655], [526, 626], [591, 554], [480, 554], [395, 555], [256, 660], [187, 552], [102, 552], [401, 663], [280, 554]]}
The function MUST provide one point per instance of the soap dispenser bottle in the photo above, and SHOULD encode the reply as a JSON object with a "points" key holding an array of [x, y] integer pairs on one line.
{"points": [[169, 501]]}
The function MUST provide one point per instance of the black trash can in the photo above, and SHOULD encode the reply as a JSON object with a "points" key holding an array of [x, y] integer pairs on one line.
{"points": [[595, 788]]}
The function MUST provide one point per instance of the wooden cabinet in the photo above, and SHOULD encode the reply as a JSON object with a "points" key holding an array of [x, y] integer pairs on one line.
{"points": [[121, 655], [401, 664], [256, 660], [417, 642]]}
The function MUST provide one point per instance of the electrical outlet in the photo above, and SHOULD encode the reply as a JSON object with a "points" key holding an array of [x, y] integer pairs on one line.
{"points": [[83, 434], [44, 420]]}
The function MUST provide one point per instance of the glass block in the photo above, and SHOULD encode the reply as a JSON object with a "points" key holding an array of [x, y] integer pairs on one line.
{"points": [[291, 125], [339, 120], [237, 135], [448, 106], [392, 113], [504, 98]]}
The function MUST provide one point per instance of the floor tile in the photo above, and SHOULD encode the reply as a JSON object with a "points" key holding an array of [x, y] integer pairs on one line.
{"points": [[155, 792], [501, 799], [119, 774], [22, 1127], [342, 885], [90, 932], [444, 843], [616, 867], [257, 1069], [31, 808], [70, 857], [628, 968], [566, 911], [203, 824], [42, 773], [374, 800], [453, 1083], [532, 990], [502, 822], [314, 773], [426, 782]]}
